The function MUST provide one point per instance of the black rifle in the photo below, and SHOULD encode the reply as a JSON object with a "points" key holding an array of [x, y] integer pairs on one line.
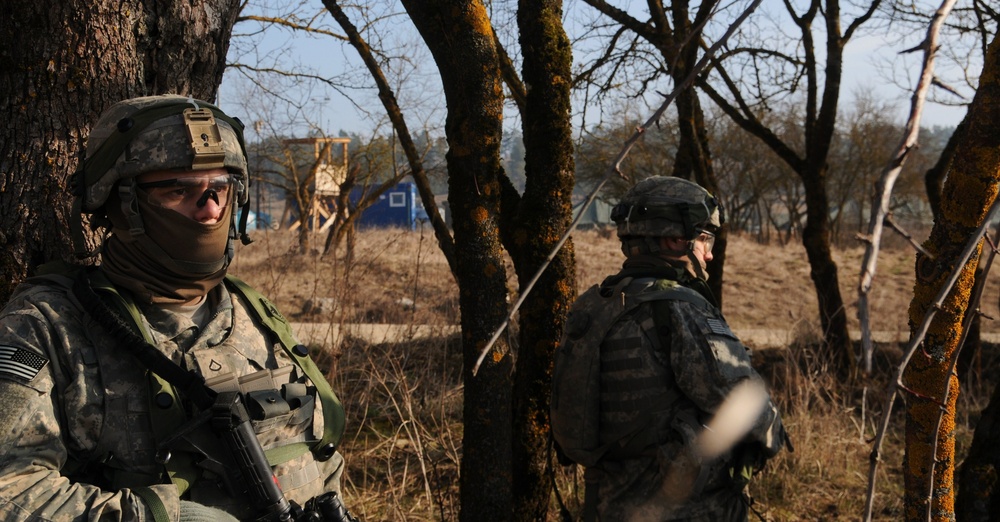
{"points": [[231, 420]]}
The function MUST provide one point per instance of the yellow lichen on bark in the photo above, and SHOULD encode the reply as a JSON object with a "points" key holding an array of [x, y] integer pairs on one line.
{"points": [[564, 288], [967, 196], [479, 215], [927, 463], [479, 19], [972, 188], [929, 470]]}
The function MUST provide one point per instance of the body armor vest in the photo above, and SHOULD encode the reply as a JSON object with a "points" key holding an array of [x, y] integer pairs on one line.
{"points": [[637, 387], [246, 346], [612, 383]]}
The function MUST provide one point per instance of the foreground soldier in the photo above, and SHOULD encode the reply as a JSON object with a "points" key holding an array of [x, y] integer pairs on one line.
{"points": [[647, 360], [103, 372]]}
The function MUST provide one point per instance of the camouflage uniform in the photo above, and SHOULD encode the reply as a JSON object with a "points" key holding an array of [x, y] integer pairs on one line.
{"points": [[694, 363], [77, 422]]}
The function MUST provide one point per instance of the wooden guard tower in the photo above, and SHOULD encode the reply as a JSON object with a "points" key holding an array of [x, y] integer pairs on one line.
{"points": [[329, 177]]}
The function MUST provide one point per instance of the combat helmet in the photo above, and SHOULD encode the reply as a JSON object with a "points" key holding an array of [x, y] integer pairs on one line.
{"points": [[664, 206], [156, 133]]}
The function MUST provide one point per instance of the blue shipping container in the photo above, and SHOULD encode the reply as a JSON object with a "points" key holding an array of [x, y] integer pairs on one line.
{"points": [[397, 207]]}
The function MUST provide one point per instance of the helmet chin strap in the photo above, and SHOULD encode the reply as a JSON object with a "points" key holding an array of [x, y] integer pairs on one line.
{"points": [[695, 263], [687, 253]]}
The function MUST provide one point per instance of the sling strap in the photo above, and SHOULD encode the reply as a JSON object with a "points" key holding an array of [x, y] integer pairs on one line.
{"points": [[334, 421], [86, 285], [191, 384]]}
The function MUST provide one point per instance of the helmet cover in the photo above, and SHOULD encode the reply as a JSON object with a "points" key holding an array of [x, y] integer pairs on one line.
{"points": [[666, 206], [157, 133]]}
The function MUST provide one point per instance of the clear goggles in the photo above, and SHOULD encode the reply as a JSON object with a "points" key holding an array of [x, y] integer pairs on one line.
{"points": [[708, 238], [190, 191]]}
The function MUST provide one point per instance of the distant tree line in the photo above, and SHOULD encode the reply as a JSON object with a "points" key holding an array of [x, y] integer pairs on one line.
{"points": [[759, 192]]}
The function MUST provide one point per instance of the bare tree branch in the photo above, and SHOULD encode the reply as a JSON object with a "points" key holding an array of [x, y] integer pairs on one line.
{"points": [[624, 19], [284, 22], [510, 76], [859, 21], [385, 93], [884, 186]]}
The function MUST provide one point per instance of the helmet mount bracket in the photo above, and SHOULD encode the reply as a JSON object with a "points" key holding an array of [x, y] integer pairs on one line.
{"points": [[206, 140]]}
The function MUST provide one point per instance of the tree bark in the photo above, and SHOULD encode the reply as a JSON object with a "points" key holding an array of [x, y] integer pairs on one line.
{"points": [[542, 215], [934, 185], [63, 63], [823, 271], [979, 489], [694, 157], [969, 191], [461, 40]]}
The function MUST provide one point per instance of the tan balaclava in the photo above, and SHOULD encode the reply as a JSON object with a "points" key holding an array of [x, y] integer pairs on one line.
{"points": [[160, 255]]}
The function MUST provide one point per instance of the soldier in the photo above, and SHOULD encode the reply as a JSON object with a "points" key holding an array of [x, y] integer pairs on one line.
{"points": [[645, 363], [112, 377]]}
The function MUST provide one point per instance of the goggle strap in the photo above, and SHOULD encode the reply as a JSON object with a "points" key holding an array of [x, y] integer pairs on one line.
{"points": [[126, 193], [244, 237]]}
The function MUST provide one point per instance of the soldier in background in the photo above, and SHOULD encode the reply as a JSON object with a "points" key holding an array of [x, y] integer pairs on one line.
{"points": [[93, 426], [645, 363]]}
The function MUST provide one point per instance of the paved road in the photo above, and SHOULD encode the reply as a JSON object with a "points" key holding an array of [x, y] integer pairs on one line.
{"points": [[328, 334]]}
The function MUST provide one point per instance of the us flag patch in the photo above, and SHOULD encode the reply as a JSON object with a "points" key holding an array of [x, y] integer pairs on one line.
{"points": [[719, 327], [20, 363]]}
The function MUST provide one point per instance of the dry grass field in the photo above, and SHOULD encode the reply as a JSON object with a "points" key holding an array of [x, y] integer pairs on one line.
{"points": [[404, 400]]}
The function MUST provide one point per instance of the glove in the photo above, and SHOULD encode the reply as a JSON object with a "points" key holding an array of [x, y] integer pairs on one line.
{"points": [[748, 458], [194, 512]]}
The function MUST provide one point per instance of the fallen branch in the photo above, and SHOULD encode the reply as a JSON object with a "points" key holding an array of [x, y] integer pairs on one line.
{"points": [[906, 235], [974, 298]]}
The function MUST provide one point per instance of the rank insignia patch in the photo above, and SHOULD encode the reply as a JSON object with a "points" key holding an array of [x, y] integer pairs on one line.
{"points": [[20, 363]]}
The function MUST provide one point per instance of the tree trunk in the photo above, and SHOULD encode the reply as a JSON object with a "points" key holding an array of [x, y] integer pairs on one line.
{"points": [[933, 184], [460, 38], [934, 177], [978, 492], [823, 271], [969, 191], [822, 85], [543, 214], [694, 158], [61, 64]]}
